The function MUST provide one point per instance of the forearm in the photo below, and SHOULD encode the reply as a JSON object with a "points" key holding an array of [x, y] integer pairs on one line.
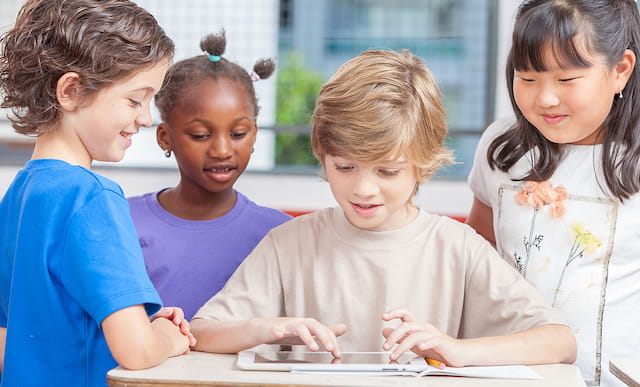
{"points": [[3, 338], [136, 343], [225, 336], [543, 344]]}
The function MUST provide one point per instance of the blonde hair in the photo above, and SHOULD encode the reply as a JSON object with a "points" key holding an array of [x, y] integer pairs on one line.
{"points": [[382, 105]]}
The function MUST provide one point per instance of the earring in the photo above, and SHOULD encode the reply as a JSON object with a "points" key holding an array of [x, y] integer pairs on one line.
{"points": [[167, 153], [620, 94]]}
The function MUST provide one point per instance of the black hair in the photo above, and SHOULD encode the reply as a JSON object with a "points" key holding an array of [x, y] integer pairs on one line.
{"points": [[605, 27], [211, 65]]}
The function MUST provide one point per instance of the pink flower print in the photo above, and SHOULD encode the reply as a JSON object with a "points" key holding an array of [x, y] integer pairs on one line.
{"points": [[537, 195]]}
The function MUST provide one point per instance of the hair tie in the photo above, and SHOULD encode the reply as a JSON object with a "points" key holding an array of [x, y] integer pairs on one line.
{"points": [[254, 76], [214, 58]]}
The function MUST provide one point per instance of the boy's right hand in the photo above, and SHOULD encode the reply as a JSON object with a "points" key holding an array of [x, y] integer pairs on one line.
{"points": [[178, 341], [307, 331]]}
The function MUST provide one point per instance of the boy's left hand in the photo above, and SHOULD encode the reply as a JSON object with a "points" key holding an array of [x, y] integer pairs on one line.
{"points": [[176, 315], [421, 338]]}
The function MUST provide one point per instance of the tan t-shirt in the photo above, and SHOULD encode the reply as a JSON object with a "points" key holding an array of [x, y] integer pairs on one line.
{"points": [[320, 266]]}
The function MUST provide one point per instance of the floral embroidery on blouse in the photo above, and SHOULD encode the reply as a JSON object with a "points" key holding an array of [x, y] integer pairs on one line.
{"points": [[538, 196], [584, 242]]}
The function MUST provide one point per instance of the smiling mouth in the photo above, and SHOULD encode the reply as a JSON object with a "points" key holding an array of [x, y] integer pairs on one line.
{"points": [[219, 170]]}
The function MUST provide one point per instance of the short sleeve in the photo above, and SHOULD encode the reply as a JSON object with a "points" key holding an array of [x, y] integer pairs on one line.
{"points": [[103, 267], [253, 291], [480, 176], [498, 299]]}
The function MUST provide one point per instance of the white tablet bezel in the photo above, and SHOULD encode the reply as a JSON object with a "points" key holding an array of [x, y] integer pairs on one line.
{"points": [[246, 362]]}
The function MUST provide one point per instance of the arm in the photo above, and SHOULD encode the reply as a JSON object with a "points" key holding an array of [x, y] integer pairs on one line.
{"points": [[234, 336], [543, 344], [136, 343], [3, 338], [481, 219]]}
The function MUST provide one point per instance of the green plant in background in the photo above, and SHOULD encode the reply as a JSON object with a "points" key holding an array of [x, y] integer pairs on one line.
{"points": [[297, 90]]}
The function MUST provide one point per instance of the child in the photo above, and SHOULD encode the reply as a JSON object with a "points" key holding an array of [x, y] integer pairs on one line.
{"points": [[378, 131], [74, 296], [557, 190], [195, 235]]}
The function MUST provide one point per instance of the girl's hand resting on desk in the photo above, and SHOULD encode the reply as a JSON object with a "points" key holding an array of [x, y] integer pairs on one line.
{"points": [[307, 331], [421, 338], [176, 316]]}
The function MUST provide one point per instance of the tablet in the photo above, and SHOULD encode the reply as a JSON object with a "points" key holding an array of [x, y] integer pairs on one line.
{"points": [[265, 360]]}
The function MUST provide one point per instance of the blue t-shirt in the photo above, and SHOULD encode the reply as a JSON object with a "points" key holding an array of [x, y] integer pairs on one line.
{"points": [[190, 260], [69, 258]]}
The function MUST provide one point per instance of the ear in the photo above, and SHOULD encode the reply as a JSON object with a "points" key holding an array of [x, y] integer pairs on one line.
{"points": [[255, 134], [624, 68], [68, 91], [163, 136]]}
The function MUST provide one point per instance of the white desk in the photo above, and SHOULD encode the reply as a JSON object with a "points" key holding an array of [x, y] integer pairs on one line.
{"points": [[627, 370], [206, 369]]}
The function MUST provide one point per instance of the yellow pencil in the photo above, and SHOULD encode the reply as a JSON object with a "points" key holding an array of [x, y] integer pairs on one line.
{"points": [[434, 363]]}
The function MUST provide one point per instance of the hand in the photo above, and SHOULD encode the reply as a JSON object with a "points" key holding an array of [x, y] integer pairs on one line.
{"points": [[423, 339], [176, 316], [294, 330]]}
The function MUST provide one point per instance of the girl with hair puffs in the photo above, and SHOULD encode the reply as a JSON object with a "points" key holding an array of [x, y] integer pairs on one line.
{"points": [[195, 235]]}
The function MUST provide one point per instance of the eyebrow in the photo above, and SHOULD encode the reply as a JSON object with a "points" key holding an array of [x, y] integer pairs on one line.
{"points": [[234, 121]]}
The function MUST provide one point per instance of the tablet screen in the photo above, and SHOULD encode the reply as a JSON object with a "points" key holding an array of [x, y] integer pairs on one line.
{"points": [[323, 358]]}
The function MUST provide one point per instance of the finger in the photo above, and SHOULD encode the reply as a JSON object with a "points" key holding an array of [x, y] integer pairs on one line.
{"points": [[401, 313], [163, 312], [324, 335], [338, 329], [409, 342], [398, 335], [303, 333], [192, 340], [178, 316], [185, 327]]}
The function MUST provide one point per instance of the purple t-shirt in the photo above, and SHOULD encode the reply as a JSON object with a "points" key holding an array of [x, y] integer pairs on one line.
{"points": [[189, 261]]}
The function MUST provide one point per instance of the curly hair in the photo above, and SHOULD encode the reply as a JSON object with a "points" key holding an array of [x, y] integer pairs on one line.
{"points": [[211, 65], [382, 104], [102, 41]]}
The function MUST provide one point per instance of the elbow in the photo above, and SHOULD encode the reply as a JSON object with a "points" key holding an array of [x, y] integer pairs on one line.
{"points": [[568, 343], [132, 361]]}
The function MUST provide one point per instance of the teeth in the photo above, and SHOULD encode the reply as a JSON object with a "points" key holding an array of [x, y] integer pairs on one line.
{"points": [[220, 170]]}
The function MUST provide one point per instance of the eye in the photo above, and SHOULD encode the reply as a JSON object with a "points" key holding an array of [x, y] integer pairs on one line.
{"points": [[389, 172], [135, 103], [199, 136], [343, 168], [238, 135], [568, 79]]}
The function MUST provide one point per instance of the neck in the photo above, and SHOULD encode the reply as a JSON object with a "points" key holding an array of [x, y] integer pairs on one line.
{"points": [[54, 145]]}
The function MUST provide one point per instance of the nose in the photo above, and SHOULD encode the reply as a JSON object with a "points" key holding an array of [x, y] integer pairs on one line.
{"points": [[220, 147], [145, 119], [365, 185], [547, 96]]}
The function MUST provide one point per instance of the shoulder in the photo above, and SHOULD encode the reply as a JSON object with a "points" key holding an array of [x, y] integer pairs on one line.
{"points": [[497, 128], [68, 182], [453, 232], [260, 213], [311, 223], [139, 201]]}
